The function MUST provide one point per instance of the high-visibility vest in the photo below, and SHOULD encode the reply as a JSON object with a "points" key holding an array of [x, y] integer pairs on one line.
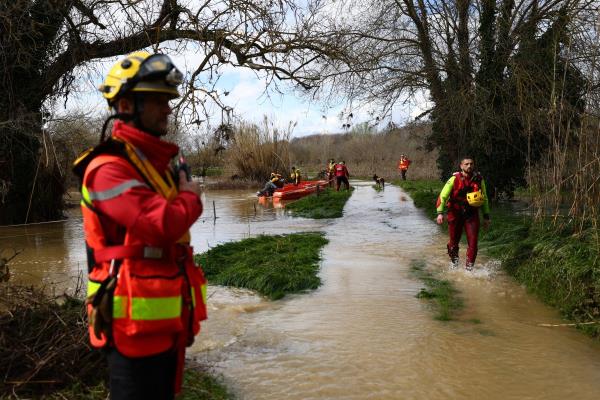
{"points": [[460, 187], [404, 163], [153, 285]]}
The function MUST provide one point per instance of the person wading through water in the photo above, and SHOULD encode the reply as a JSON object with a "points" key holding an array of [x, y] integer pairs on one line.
{"points": [[146, 295], [462, 197]]}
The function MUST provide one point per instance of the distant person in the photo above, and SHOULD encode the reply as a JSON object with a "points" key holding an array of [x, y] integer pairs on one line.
{"points": [[275, 181], [331, 172], [295, 176], [403, 165], [462, 197], [341, 176]]}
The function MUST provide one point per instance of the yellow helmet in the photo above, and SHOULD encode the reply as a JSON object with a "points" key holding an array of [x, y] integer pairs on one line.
{"points": [[475, 199], [142, 72]]}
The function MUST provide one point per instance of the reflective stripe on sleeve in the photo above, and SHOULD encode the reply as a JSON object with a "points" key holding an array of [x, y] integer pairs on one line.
{"points": [[111, 193], [202, 292]]}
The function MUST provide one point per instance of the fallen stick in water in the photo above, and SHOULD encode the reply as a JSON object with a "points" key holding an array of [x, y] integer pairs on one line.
{"points": [[573, 324]]}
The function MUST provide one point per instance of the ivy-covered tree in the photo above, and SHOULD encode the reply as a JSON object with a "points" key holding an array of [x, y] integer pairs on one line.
{"points": [[44, 44], [499, 74]]}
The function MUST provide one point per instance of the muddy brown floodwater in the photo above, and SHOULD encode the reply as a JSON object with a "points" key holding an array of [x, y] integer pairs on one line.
{"points": [[363, 334]]}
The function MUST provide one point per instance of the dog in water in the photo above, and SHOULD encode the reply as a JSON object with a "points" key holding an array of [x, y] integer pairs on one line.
{"points": [[379, 182]]}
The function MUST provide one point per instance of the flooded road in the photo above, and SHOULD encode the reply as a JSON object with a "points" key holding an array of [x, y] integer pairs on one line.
{"points": [[363, 334]]}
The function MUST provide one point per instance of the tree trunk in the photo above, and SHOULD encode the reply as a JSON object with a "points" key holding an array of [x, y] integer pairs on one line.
{"points": [[31, 187]]}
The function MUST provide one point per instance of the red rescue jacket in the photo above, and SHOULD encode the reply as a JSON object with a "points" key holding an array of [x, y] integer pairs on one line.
{"points": [[341, 170], [136, 227], [455, 192], [403, 164]]}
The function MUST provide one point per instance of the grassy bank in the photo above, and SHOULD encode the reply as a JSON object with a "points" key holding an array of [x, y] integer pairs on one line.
{"points": [[440, 291], [44, 351], [558, 266], [328, 204], [272, 265], [197, 385]]}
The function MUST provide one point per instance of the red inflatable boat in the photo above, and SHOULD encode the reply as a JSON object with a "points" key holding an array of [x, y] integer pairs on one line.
{"points": [[292, 192]]}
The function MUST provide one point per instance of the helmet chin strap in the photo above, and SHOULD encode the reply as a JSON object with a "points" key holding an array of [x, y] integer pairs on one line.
{"points": [[122, 116]]}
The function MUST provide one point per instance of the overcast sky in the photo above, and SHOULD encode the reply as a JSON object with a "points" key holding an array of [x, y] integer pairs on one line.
{"points": [[249, 97]]}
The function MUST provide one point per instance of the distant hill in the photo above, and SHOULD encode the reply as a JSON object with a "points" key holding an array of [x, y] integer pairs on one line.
{"points": [[368, 153]]}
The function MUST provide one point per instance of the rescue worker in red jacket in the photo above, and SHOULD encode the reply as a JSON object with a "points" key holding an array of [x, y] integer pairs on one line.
{"points": [[403, 165], [462, 197], [146, 296], [341, 176]]}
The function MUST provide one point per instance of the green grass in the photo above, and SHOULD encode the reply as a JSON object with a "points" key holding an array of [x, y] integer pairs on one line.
{"points": [[197, 385], [377, 188], [200, 385], [559, 267], [271, 265], [328, 204], [440, 291]]}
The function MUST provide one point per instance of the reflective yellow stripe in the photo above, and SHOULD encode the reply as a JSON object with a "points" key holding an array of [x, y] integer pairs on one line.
{"points": [[119, 303], [92, 288], [155, 308], [111, 193], [203, 291], [203, 288], [85, 194]]}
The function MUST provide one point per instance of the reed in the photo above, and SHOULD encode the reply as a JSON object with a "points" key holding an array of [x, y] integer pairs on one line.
{"points": [[45, 351], [256, 151]]}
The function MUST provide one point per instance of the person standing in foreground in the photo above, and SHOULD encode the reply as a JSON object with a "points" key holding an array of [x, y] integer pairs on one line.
{"points": [[403, 165], [146, 296], [462, 197], [341, 176]]}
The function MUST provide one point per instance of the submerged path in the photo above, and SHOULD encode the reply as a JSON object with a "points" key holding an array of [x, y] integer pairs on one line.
{"points": [[364, 334]]}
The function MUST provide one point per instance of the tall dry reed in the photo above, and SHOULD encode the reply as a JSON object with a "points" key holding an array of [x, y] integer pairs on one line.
{"points": [[565, 186], [368, 153], [256, 151]]}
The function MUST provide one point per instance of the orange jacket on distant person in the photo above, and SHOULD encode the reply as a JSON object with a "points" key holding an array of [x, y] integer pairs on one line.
{"points": [[403, 164]]}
